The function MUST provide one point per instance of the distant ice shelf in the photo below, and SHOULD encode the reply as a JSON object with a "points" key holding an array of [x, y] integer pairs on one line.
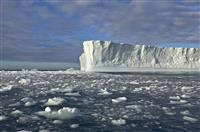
{"points": [[106, 56]]}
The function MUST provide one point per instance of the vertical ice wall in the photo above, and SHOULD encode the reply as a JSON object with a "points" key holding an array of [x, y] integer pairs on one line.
{"points": [[107, 56]]}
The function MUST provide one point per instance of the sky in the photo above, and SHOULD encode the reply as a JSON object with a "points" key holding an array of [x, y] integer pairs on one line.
{"points": [[53, 30]]}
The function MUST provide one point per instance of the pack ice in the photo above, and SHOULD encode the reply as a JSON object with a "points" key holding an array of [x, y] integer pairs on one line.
{"points": [[106, 56]]}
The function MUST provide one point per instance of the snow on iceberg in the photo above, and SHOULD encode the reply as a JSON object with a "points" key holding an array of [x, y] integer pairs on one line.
{"points": [[106, 56]]}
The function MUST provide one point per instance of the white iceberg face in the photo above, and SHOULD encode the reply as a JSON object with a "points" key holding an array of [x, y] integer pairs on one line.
{"points": [[105, 56]]}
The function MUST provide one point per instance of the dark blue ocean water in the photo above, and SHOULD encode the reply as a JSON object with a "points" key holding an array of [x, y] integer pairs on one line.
{"points": [[151, 102]]}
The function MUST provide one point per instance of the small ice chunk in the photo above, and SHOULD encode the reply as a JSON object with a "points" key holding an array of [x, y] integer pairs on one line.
{"points": [[14, 104], [74, 125], [186, 88], [2, 117], [6, 88], [24, 120], [190, 119], [24, 81], [16, 113], [64, 113], [67, 112], [178, 102], [26, 99], [119, 100], [104, 92], [119, 122], [137, 108], [62, 90], [185, 96], [137, 90], [186, 112], [168, 111], [24, 131], [174, 98], [133, 125], [134, 82], [44, 130], [47, 109], [147, 88], [72, 94], [30, 103], [54, 101], [57, 122]]}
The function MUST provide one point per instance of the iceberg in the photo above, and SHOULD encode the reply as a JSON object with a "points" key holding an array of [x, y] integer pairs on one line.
{"points": [[106, 56]]}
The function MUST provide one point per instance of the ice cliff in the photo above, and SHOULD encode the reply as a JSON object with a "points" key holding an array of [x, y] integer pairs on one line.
{"points": [[106, 56]]}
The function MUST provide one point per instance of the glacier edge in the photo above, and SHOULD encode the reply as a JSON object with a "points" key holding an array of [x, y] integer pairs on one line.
{"points": [[106, 56]]}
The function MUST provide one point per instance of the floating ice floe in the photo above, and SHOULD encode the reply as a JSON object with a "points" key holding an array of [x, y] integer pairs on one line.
{"points": [[73, 94], [24, 131], [185, 96], [186, 112], [104, 92], [41, 83], [137, 108], [74, 125], [178, 102], [133, 125], [57, 122], [168, 111], [133, 82], [137, 90], [24, 81], [119, 100], [54, 101], [26, 119], [44, 130], [62, 90], [62, 114], [6, 88], [190, 119], [14, 104], [174, 97], [16, 113], [119, 122], [28, 101], [47, 109], [186, 88], [2, 117]]}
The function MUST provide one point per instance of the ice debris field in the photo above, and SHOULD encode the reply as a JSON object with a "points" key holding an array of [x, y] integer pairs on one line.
{"points": [[51, 101]]}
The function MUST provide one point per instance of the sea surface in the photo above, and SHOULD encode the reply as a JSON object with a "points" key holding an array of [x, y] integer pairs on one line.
{"points": [[61, 101], [18, 65]]}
